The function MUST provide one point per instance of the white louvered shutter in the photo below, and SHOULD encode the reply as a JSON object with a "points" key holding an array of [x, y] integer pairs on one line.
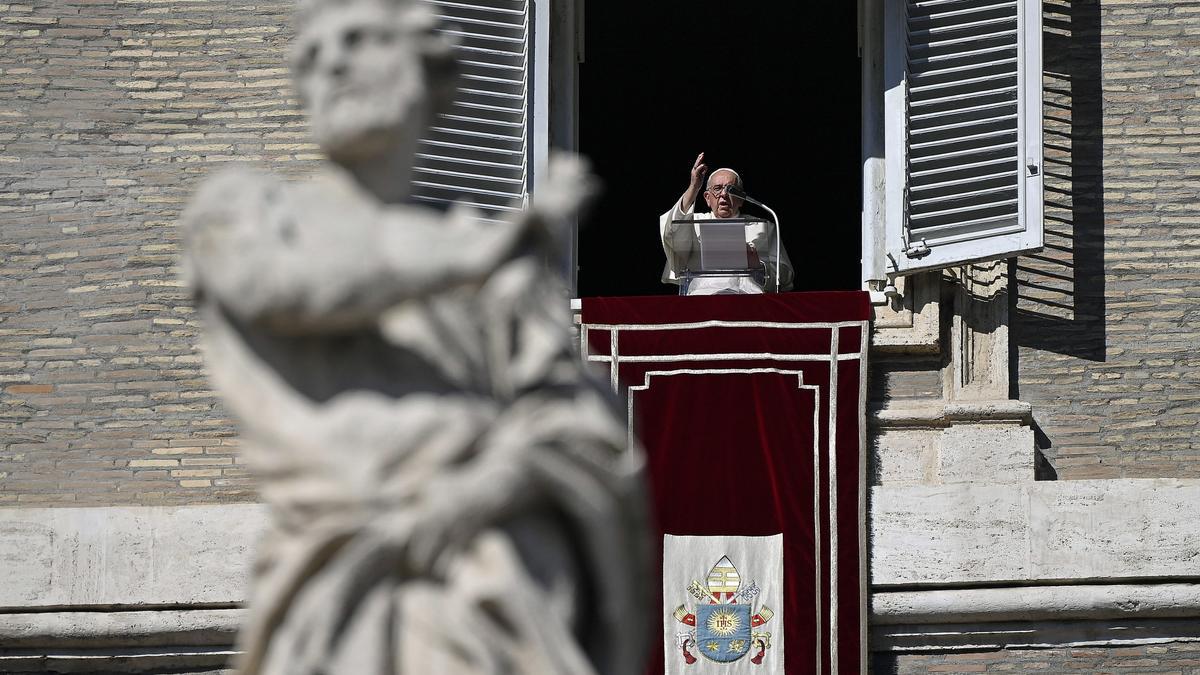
{"points": [[477, 152], [963, 131]]}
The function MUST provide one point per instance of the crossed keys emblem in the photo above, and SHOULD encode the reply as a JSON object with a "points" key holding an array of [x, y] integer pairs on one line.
{"points": [[723, 622]]}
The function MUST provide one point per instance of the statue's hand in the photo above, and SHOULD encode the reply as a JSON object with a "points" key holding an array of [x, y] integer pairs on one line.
{"points": [[444, 524], [223, 231], [565, 191]]}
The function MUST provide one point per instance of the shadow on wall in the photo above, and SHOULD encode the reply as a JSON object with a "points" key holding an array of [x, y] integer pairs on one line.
{"points": [[1059, 300], [883, 663]]}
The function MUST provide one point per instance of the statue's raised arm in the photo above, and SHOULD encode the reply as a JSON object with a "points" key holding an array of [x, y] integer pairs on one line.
{"points": [[326, 256]]}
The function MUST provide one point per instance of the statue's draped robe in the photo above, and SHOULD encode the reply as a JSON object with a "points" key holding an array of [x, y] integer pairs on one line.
{"points": [[387, 375]]}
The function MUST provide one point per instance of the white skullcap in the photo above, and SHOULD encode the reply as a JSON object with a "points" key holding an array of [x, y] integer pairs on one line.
{"points": [[737, 178]]}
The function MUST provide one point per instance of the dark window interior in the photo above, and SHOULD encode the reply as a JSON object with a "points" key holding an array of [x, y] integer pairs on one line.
{"points": [[770, 89]]}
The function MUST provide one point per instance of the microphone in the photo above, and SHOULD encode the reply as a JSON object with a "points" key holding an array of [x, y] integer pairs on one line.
{"points": [[736, 191]]}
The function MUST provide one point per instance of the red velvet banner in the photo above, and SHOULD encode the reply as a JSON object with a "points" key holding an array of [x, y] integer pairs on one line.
{"points": [[751, 410]]}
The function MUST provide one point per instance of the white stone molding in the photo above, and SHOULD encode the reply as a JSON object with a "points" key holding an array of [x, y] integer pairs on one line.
{"points": [[127, 557], [124, 589], [68, 629], [1035, 564], [117, 660], [1036, 603], [909, 322], [1051, 532], [1042, 634], [939, 414], [978, 368]]}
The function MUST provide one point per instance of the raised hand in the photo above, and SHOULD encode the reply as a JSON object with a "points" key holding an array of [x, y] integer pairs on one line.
{"points": [[695, 183], [699, 171]]}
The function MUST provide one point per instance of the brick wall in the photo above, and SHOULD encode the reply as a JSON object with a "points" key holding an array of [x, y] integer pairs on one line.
{"points": [[1108, 318], [1171, 658], [112, 110]]}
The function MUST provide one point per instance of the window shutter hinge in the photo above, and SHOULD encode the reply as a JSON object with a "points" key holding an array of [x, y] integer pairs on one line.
{"points": [[917, 250]]}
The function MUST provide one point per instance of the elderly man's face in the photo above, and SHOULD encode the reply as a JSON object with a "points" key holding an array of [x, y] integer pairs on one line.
{"points": [[361, 80], [717, 197]]}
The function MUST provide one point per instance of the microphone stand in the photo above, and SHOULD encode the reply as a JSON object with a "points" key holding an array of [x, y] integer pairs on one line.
{"points": [[778, 243]]}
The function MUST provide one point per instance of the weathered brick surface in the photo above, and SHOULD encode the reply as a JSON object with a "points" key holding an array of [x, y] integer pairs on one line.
{"points": [[112, 110], [1172, 658], [1108, 318]]}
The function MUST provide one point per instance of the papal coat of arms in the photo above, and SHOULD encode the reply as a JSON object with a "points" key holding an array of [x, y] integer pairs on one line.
{"points": [[724, 624]]}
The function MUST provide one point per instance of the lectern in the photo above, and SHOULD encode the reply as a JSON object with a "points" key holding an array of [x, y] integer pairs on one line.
{"points": [[731, 256]]}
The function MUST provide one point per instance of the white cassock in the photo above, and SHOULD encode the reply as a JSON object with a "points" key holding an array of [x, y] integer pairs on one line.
{"points": [[679, 242]]}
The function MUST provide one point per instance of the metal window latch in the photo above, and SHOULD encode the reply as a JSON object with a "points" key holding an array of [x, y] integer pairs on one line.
{"points": [[1033, 169], [917, 250]]}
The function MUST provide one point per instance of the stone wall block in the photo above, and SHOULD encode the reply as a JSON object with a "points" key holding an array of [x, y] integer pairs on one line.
{"points": [[992, 453]]}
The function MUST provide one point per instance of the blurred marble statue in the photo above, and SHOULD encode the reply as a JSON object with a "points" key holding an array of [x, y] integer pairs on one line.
{"points": [[450, 493]]}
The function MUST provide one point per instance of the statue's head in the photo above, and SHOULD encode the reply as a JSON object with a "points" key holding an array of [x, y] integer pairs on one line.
{"points": [[371, 73]]}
